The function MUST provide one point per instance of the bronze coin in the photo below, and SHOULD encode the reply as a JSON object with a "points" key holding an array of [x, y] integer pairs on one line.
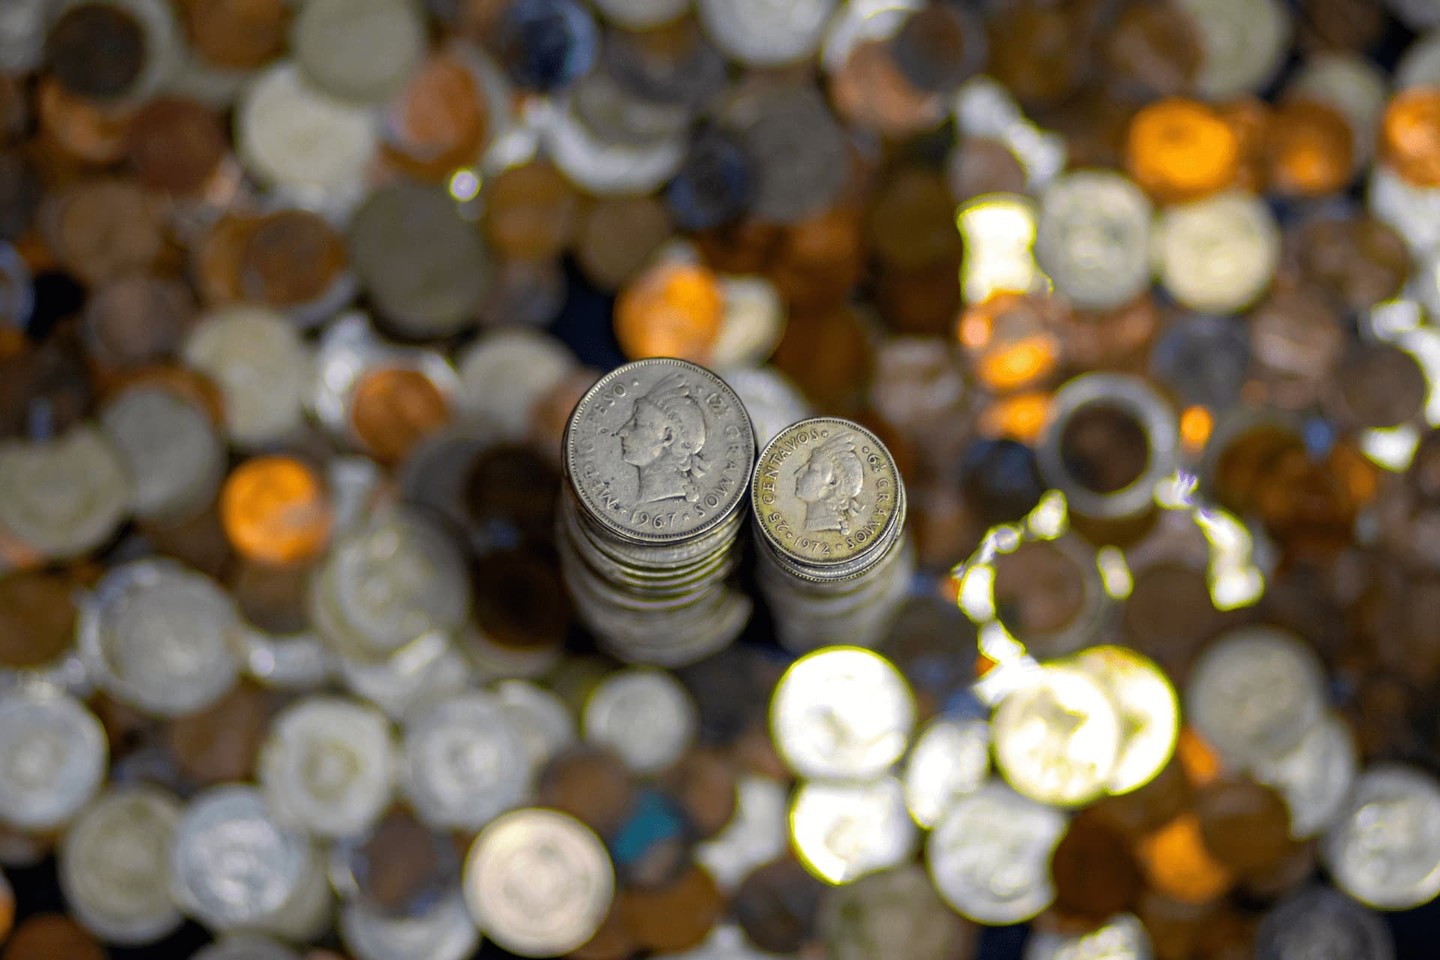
{"points": [[675, 917], [618, 236], [1245, 826], [402, 861], [290, 257], [176, 144], [44, 387], [237, 34], [911, 223], [105, 228], [531, 212], [869, 90], [137, 319], [511, 490], [220, 743], [1382, 385], [520, 601], [703, 782], [778, 906], [1153, 50], [593, 786], [1341, 24], [923, 301], [613, 941], [1094, 873], [219, 258], [37, 618], [1039, 589], [77, 129], [199, 542], [393, 408], [51, 936], [1169, 613], [96, 50], [271, 597]]}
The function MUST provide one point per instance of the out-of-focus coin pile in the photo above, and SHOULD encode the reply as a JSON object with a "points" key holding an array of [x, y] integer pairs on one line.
{"points": [[719, 479]]}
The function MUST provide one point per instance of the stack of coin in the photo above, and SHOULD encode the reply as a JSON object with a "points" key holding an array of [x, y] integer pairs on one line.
{"points": [[829, 510], [658, 454]]}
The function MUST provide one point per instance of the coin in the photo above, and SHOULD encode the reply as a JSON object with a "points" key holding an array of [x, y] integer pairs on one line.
{"points": [[1148, 709], [843, 831], [1384, 847], [1122, 937], [1057, 739], [53, 757], [1316, 777], [171, 449], [1093, 238], [261, 366], [358, 51], [1244, 43], [989, 857], [537, 882], [950, 758], [757, 833], [817, 732], [765, 32], [465, 762], [245, 946], [65, 497], [644, 715], [442, 932], [1218, 254], [1319, 922]]}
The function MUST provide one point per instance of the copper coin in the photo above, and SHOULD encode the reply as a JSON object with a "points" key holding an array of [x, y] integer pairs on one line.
{"points": [[531, 212], [613, 941], [618, 236], [1245, 826], [1180, 149], [220, 743], [1340, 24], [1013, 340], [402, 862], [1410, 135], [1382, 385], [96, 50], [1141, 812], [594, 786], [871, 91], [48, 382], [1038, 51], [670, 310], [676, 917], [819, 260], [290, 258], [237, 34], [137, 319], [439, 121], [1153, 50], [1357, 260], [520, 602], [828, 355], [512, 490], [176, 144], [37, 618], [1039, 589], [220, 258], [1093, 871], [83, 129], [1169, 613], [106, 228], [276, 510], [393, 408], [51, 936], [1311, 149], [703, 783], [981, 165], [273, 598], [199, 542], [1243, 462], [778, 906], [911, 224], [922, 301], [1117, 339], [1178, 865]]}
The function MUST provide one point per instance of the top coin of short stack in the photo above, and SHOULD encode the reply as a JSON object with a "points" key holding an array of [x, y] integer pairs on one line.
{"points": [[658, 456]]}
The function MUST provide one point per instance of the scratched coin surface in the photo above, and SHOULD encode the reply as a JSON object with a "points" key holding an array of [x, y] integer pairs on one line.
{"points": [[660, 450], [825, 492]]}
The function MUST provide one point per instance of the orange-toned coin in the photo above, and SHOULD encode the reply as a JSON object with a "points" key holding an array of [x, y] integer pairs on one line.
{"points": [[671, 310], [82, 128], [290, 257], [394, 408], [1176, 863], [238, 34], [1012, 340], [870, 91], [818, 261], [220, 258], [1179, 149], [51, 936], [275, 510], [1410, 135], [531, 212], [176, 144], [440, 120], [1310, 149]]}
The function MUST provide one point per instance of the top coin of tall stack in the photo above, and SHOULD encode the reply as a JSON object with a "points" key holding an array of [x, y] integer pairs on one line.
{"points": [[658, 455]]}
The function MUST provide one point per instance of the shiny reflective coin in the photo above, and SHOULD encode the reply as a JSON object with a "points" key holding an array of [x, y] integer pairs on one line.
{"points": [[1384, 847], [841, 713], [231, 864], [444, 931], [1254, 694], [360, 50], [171, 450], [659, 450], [52, 757], [465, 762], [1316, 777], [1093, 238], [160, 637], [843, 831], [771, 399], [1057, 739], [990, 856], [1318, 923], [261, 366], [646, 716], [951, 758], [605, 166], [538, 882], [756, 835], [115, 865], [63, 497], [328, 766], [1218, 254], [1148, 709], [1120, 938], [765, 32]]}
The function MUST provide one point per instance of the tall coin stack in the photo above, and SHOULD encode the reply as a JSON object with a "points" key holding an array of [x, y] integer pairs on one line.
{"points": [[829, 510], [658, 457]]}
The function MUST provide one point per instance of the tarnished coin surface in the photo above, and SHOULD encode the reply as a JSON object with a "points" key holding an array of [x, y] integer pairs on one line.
{"points": [[660, 450], [825, 491], [1321, 924], [538, 882], [1384, 848], [1093, 238]]}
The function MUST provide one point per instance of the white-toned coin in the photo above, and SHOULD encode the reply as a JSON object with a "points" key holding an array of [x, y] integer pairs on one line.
{"points": [[607, 167], [1384, 847], [951, 758], [843, 831], [1122, 937], [304, 141], [538, 882], [262, 367], [1218, 254], [465, 762], [358, 50], [1316, 777], [1413, 211], [171, 449], [444, 931], [1148, 708], [766, 32], [755, 835], [1420, 66], [232, 866], [53, 757], [752, 323], [645, 715], [1417, 14], [642, 14], [245, 946], [65, 496], [1057, 738], [540, 717], [160, 637], [1254, 693], [892, 913], [1093, 238], [771, 399], [115, 865], [841, 713], [1244, 43], [505, 372], [1317, 923], [990, 855], [425, 671], [328, 766]]}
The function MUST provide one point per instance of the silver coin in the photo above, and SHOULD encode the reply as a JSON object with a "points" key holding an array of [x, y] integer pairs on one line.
{"points": [[843, 831], [245, 946], [659, 450], [1384, 847], [64, 497], [951, 758], [799, 150], [1320, 924], [505, 372], [646, 716], [766, 32], [465, 763], [53, 757], [358, 50], [1093, 238], [1121, 937], [1057, 738], [443, 932], [756, 835], [425, 671], [1420, 66], [1417, 14], [1218, 254], [892, 913], [540, 717], [608, 167], [990, 856], [115, 865], [1254, 694], [1316, 777], [771, 400], [175, 457], [538, 882], [1244, 43], [262, 367]]}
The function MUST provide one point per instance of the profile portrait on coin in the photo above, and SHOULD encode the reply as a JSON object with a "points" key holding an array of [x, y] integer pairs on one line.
{"points": [[830, 484], [663, 439]]}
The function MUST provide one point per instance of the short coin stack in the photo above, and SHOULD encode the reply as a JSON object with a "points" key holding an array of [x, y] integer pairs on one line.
{"points": [[658, 455], [829, 510]]}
